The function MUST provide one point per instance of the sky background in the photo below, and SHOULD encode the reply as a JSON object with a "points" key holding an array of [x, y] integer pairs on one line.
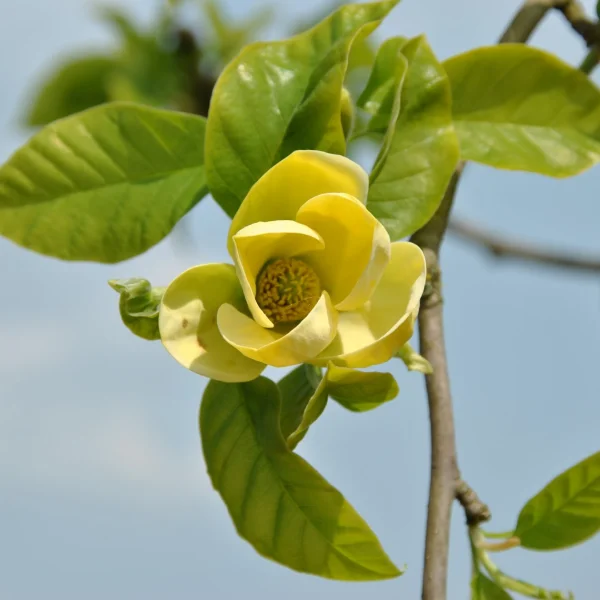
{"points": [[103, 489]]}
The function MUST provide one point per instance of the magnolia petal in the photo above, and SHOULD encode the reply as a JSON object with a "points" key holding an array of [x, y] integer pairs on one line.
{"points": [[286, 186], [188, 327], [255, 244], [357, 248], [371, 335], [280, 349]]}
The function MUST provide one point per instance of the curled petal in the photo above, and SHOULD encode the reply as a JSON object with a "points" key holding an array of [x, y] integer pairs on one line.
{"points": [[357, 248], [188, 323], [284, 188], [280, 348], [257, 243], [371, 335]]}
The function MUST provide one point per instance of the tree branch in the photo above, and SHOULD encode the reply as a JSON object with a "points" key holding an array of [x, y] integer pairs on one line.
{"points": [[501, 247], [532, 12], [444, 469], [445, 484]]}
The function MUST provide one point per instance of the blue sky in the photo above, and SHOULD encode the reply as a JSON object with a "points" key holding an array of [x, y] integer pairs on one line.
{"points": [[103, 489]]}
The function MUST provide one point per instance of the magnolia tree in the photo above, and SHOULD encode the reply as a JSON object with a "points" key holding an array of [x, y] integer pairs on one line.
{"points": [[331, 267]]}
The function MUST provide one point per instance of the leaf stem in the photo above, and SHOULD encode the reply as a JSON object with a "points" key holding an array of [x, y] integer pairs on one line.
{"points": [[590, 62], [509, 544], [502, 535], [506, 581]]}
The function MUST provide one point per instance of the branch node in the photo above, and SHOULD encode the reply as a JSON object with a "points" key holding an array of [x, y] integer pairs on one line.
{"points": [[432, 294], [476, 511], [575, 14]]}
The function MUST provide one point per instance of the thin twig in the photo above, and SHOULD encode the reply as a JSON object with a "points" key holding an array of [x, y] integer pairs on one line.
{"points": [[526, 19], [575, 14], [501, 247]]}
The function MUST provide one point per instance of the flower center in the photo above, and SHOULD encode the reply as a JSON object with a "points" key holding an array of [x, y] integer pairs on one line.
{"points": [[287, 289]]}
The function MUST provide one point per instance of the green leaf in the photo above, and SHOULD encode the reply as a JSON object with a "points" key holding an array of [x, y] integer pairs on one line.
{"points": [[277, 97], [360, 391], [303, 399], [413, 360], [74, 86], [139, 304], [103, 185], [277, 501], [517, 107], [420, 148], [382, 94], [566, 511], [483, 588]]}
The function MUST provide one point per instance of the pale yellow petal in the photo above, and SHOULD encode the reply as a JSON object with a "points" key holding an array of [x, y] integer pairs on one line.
{"points": [[357, 248], [280, 192], [188, 323], [371, 336], [280, 347], [255, 244]]}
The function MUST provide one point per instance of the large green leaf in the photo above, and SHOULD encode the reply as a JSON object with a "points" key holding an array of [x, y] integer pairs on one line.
{"points": [[483, 588], [139, 304], [277, 97], [566, 511], [103, 185], [74, 86], [517, 107], [360, 391], [303, 399], [420, 148], [277, 501]]}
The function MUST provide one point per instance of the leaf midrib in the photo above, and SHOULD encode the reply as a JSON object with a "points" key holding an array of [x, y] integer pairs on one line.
{"points": [[329, 543], [280, 483], [559, 508]]}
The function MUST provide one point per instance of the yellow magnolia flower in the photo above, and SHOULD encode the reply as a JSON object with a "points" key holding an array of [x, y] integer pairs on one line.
{"points": [[316, 279]]}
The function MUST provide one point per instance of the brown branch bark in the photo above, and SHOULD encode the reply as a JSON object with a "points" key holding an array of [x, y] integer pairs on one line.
{"points": [[501, 247], [444, 469]]}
